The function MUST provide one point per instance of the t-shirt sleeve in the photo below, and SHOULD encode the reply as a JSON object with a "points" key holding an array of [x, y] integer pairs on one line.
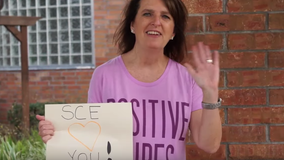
{"points": [[197, 96], [95, 87]]}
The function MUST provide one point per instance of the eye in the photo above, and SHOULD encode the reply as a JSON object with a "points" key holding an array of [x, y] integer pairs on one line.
{"points": [[165, 16], [147, 14]]}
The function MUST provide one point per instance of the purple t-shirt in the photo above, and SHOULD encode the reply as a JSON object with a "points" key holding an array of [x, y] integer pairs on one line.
{"points": [[161, 110]]}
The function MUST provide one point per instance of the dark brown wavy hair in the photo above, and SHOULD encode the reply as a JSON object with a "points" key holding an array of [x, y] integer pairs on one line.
{"points": [[175, 49]]}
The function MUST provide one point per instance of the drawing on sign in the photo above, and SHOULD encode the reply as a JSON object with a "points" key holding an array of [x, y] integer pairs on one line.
{"points": [[108, 149], [72, 130]]}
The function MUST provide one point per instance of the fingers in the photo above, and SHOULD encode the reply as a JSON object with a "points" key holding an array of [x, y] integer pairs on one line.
{"points": [[46, 138], [45, 132], [44, 123], [46, 126], [202, 52], [208, 53], [195, 55], [46, 129], [40, 118]]}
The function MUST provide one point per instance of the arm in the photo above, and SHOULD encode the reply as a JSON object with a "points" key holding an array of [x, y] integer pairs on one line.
{"points": [[205, 124], [206, 129]]}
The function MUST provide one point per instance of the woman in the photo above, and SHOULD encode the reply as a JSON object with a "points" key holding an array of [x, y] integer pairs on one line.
{"points": [[167, 97]]}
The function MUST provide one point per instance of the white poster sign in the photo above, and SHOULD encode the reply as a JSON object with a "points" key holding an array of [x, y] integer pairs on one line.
{"points": [[98, 131]]}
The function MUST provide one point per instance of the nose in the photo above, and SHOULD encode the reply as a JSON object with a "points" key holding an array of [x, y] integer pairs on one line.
{"points": [[156, 20]]}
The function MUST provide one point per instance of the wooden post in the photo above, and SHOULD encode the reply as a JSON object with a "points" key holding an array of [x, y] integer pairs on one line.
{"points": [[1, 4], [25, 77], [10, 22]]}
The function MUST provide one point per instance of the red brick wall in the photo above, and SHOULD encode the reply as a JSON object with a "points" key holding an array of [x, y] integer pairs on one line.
{"points": [[250, 36], [69, 86]]}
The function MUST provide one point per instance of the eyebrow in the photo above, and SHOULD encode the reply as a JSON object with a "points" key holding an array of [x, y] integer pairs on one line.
{"points": [[151, 11]]}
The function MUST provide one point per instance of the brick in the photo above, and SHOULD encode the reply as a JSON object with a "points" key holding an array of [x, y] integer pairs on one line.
{"points": [[58, 78], [276, 21], [112, 17], [243, 96], [101, 36], [276, 96], [255, 41], [242, 60], [66, 73], [83, 82], [10, 83], [46, 78], [222, 79], [84, 73], [214, 41], [100, 5], [101, 31], [69, 82], [193, 152], [100, 12], [119, 3], [74, 87], [240, 41], [276, 133], [235, 22], [255, 78], [276, 59], [256, 115], [32, 83], [115, 7], [197, 6], [256, 151], [269, 40], [116, 12], [100, 23], [56, 83], [194, 24], [42, 83], [222, 115], [243, 134], [55, 73], [254, 5]]}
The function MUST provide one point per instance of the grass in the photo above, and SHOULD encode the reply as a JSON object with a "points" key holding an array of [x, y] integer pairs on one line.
{"points": [[29, 148]]}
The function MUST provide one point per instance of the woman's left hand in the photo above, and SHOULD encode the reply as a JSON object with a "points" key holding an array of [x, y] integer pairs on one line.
{"points": [[206, 70]]}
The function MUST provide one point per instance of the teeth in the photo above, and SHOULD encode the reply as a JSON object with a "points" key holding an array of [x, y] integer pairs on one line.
{"points": [[153, 32]]}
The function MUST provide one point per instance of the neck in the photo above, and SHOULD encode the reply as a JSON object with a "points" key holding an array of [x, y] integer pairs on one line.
{"points": [[147, 57]]}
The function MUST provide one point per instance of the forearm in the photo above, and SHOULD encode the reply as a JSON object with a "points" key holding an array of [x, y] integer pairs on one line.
{"points": [[210, 131]]}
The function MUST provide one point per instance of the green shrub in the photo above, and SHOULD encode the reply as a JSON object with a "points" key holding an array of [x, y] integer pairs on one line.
{"points": [[15, 114], [28, 148]]}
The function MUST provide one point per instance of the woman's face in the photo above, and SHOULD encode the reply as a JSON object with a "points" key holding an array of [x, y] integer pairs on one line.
{"points": [[153, 25]]}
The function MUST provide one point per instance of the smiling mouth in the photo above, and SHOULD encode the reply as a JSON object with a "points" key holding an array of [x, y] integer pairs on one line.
{"points": [[153, 33]]}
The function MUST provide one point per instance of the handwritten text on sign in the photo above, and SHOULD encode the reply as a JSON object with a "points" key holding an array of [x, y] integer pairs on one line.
{"points": [[90, 131]]}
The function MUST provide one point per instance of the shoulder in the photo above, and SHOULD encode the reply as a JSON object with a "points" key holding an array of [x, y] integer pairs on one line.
{"points": [[108, 67], [110, 64]]}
